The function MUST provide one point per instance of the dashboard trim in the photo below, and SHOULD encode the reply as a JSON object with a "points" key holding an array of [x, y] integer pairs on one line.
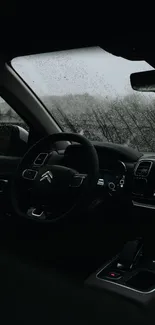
{"points": [[143, 205]]}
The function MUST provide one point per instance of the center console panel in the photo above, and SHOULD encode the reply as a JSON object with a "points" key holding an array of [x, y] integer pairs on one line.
{"points": [[130, 274]]}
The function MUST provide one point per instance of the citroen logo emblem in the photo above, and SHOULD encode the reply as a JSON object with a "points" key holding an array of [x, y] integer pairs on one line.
{"points": [[48, 176]]}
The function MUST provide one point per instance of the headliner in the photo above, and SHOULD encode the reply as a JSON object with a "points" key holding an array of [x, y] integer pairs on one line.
{"points": [[132, 50], [22, 38]]}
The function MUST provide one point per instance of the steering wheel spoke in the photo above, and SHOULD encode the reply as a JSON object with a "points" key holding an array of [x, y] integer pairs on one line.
{"points": [[78, 180], [32, 212]]}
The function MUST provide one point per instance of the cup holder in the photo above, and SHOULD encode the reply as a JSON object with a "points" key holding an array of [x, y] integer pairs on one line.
{"points": [[142, 281]]}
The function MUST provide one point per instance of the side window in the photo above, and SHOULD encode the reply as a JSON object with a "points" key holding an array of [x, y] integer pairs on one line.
{"points": [[13, 132]]}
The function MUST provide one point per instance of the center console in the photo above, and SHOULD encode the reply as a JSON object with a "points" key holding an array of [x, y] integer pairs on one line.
{"points": [[131, 273]]}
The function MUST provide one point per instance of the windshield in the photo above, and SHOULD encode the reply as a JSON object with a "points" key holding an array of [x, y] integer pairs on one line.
{"points": [[88, 91]]}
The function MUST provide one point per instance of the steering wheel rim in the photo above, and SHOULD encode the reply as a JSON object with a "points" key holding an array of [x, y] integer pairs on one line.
{"points": [[48, 142]]}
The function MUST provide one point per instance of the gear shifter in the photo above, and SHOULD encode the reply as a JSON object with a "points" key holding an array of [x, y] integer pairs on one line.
{"points": [[130, 255]]}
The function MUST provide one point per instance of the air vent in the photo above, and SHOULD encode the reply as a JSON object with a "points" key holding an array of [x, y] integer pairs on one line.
{"points": [[143, 168]]}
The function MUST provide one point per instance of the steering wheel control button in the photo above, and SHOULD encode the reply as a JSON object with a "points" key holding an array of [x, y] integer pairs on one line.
{"points": [[29, 174], [39, 161]]}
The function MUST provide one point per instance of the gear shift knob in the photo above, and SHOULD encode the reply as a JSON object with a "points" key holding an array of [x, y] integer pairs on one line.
{"points": [[130, 254]]}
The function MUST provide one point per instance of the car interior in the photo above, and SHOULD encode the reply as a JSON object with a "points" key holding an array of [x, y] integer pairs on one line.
{"points": [[77, 216]]}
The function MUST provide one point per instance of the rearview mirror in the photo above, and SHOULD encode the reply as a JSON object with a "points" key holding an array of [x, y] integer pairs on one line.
{"points": [[143, 81]]}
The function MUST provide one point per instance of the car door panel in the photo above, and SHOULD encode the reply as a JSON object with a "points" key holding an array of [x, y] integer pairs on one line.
{"points": [[8, 166]]}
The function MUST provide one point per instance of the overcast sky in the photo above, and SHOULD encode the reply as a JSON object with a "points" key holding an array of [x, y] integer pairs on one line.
{"points": [[89, 70]]}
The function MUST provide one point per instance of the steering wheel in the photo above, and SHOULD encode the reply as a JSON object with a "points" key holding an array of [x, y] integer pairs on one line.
{"points": [[44, 189]]}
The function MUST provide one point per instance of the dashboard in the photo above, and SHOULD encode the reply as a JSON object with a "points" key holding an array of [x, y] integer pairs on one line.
{"points": [[116, 163], [122, 170]]}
